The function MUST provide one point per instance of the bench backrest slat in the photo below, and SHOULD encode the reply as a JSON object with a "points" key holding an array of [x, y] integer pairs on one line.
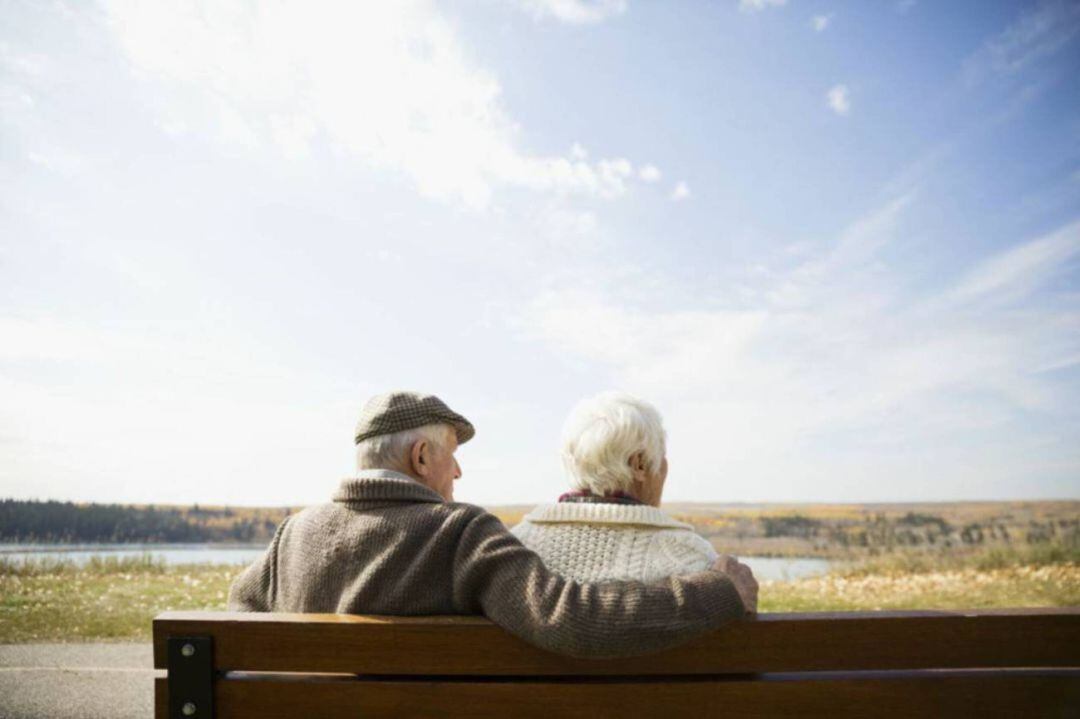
{"points": [[769, 643]]}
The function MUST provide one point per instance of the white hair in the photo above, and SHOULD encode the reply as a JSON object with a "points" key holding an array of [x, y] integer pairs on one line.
{"points": [[391, 451], [600, 436]]}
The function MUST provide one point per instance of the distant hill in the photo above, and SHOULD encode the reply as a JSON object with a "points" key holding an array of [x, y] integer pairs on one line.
{"points": [[824, 530], [69, 522], [858, 530]]}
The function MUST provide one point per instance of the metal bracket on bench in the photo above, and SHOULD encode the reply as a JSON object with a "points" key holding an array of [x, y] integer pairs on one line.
{"points": [[191, 677]]}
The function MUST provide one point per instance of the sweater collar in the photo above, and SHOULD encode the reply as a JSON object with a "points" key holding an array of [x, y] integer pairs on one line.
{"points": [[634, 514], [584, 496], [383, 485]]}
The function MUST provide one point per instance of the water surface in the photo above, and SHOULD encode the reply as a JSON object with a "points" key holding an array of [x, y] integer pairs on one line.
{"points": [[765, 568]]}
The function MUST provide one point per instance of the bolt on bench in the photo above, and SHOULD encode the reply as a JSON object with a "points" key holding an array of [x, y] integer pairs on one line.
{"points": [[1007, 663]]}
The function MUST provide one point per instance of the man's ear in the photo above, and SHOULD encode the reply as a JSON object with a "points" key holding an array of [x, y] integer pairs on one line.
{"points": [[418, 457], [637, 466]]}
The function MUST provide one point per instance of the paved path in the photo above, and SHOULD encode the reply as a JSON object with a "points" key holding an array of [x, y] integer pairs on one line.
{"points": [[76, 680]]}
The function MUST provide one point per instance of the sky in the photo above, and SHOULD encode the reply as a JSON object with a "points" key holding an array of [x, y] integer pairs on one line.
{"points": [[836, 244]]}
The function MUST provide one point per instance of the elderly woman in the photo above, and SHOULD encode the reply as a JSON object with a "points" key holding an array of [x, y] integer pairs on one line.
{"points": [[610, 525]]}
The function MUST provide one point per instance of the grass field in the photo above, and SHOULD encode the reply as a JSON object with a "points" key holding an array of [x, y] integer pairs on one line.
{"points": [[115, 600], [105, 600]]}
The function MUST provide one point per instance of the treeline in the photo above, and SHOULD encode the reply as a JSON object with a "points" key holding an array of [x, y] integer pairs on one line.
{"points": [[916, 529], [68, 522], [844, 531]]}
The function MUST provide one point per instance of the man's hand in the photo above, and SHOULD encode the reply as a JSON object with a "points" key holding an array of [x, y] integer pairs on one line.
{"points": [[743, 579]]}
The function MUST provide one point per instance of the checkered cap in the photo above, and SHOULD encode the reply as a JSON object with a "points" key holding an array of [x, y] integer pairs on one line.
{"points": [[397, 411]]}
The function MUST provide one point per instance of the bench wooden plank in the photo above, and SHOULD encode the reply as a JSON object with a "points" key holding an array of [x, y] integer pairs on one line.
{"points": [[986, 696], [767, 643]]}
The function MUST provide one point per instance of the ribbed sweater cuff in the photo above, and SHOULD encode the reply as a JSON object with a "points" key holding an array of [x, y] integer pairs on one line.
{"points": [[719, 595]]}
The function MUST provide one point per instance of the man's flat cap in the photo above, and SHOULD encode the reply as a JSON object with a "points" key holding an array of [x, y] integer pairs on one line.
{"points": [[397, 411]]}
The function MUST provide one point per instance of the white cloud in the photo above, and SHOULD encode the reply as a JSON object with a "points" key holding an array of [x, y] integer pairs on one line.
{"points": [[389, 83], [54, 159], [759, 5], [1039, 32], [575, 12], [830, 360], [568, 229], [680, 192], [839, 99], [820, 22], [1017, 271], [649, 173]]}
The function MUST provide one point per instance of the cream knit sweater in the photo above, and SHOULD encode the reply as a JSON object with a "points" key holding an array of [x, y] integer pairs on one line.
{"points": [[599, 542]]}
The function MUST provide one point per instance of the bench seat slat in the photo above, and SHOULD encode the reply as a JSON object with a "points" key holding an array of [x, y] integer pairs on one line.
{"points": [[986, 696], [768, 643]]}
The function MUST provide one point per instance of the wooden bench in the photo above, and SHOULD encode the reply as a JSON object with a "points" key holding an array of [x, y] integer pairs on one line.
{"points": [[1010, 663]]}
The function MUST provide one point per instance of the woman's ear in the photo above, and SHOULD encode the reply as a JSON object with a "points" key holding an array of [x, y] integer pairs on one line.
{"points": [[637, 466]]}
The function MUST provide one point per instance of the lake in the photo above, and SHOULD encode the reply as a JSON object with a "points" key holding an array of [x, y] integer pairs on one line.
{"points": [[765, 568]]}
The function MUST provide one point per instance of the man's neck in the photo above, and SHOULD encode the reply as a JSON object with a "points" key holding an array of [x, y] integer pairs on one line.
{"points": [[396, 470], [371, 471]]}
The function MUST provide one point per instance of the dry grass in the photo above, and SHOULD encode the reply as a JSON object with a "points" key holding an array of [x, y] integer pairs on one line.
{"points": [[114, 599], [110, 600], [1034, 576], [1047, 586]]}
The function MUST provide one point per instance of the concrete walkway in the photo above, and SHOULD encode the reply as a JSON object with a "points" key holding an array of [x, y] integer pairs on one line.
{"points": [[76, 680]]}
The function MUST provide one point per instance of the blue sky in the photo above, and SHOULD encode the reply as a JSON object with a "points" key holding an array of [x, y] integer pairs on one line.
{"points": [[836, 244]]}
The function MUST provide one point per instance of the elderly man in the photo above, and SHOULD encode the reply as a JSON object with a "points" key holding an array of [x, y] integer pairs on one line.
{"points": [[394, 542]]}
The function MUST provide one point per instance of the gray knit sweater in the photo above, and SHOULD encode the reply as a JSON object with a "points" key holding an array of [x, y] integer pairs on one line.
{"points": [[388, 545]]}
